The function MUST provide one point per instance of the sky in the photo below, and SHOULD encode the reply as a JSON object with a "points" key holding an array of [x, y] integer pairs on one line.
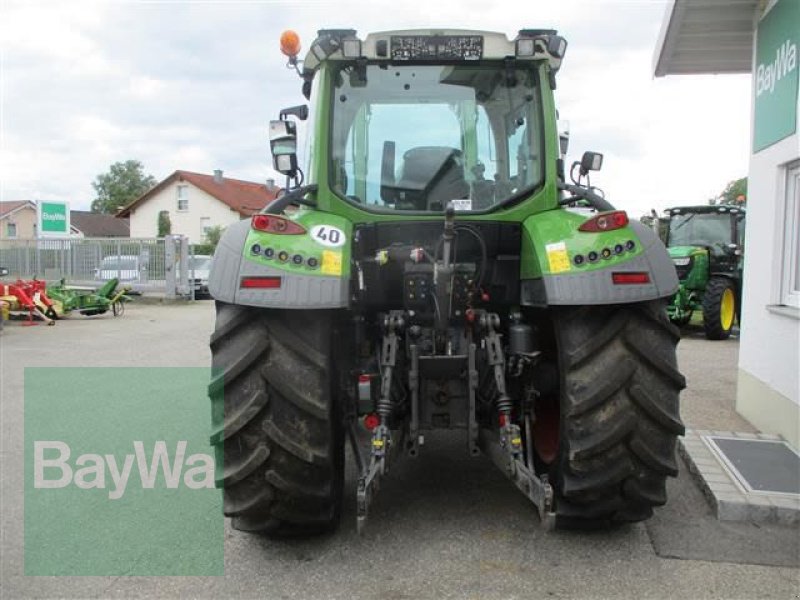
{"points": [[193, 85]]}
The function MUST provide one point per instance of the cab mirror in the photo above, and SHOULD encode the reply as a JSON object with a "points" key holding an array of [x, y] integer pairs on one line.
{"points": [[591, 161], [563, 136], [283, 144], [734, 249]]}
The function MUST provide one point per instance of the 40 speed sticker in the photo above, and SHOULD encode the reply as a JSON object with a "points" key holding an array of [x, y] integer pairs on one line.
{"points": [[328, 235]]}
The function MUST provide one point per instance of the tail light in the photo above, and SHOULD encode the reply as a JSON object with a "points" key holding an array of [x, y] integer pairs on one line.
{"points": [[605, 221], [260, 283], [630, 278], [273, 224], [371, 421]]}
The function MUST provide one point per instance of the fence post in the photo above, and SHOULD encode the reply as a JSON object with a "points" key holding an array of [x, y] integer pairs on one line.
{"points": [[183, 270], [119, 260], [27, 253], [38, 258], [169, 266]]}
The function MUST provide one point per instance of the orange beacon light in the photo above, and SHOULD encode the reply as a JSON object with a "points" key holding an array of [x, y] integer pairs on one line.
{"points": [[290, 43]]}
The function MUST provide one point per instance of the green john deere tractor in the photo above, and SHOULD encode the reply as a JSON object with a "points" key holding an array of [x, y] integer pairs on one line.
{"points": [[429, 269], [706, 244]]}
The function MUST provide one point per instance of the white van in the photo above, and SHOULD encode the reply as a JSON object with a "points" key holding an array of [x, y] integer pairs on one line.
{"points": [[128, 268]]}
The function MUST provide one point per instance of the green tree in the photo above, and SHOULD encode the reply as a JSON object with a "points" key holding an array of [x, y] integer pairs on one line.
{"points": [[210, 241], [164, 223], [734, 193], [213, 234], [121, 185]]}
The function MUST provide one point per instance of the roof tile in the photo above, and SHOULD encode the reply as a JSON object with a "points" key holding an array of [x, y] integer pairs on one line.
{"points": [[245, 197]]}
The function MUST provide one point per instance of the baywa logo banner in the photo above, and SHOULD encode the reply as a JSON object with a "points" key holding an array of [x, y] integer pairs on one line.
{"points": [[776, 74], [119, 474]]}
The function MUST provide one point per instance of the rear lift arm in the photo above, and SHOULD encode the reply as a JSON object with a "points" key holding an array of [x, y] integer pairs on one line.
{"points": [[382, 448], [504, 447]]}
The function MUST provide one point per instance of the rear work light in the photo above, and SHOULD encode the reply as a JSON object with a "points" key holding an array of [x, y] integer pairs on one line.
{"points": [[273, 224], [630, 278], [260, 283], [605, 221]]}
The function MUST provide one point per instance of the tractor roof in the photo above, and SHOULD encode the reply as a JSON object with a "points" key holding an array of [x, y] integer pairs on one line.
{"points": [[706, 208], [435, 46]]}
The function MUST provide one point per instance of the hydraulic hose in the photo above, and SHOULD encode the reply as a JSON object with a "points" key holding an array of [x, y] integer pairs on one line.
{"points": [[296, 196], [595, 200]]}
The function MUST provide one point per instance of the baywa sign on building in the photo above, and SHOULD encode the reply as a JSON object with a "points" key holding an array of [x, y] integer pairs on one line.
{"points": [[776, 74], [53, 218]]}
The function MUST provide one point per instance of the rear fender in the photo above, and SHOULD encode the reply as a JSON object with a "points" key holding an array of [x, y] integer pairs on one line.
{"points": [[319, 278], [556, 278]]}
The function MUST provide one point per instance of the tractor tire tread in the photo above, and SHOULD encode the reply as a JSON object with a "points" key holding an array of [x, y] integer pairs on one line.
{"points": [[712, 308], [618, 437], [279, 447]]}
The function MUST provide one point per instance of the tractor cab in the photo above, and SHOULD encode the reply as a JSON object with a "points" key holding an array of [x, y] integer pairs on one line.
{"points": [[706, 245], [409, 121]]}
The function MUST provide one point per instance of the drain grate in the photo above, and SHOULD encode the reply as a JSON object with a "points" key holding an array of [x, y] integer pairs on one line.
{"points": [[765, 466]]}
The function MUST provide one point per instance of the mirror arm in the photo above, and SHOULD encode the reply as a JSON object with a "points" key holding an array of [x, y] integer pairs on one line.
{"points": [[278, 205], [595, 200]]}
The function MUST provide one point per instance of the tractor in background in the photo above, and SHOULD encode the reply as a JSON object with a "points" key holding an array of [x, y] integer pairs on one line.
{"points": [[706, 244]]}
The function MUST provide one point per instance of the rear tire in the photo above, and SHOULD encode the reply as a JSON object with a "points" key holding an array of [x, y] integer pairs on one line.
{"points": [[619, 413], [719, 308], [277, 429]]}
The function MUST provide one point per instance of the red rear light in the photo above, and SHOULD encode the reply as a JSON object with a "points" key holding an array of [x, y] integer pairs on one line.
{"points": [[630, 278], [273, 224], [371, 421], [606, 221], [262, 283]]}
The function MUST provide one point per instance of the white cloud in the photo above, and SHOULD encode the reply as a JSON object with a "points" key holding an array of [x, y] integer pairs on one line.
{"points": [[670, 141], [192, 86]]}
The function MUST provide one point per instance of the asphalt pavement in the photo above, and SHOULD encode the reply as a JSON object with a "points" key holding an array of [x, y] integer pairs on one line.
{"points": [[444, 525]]}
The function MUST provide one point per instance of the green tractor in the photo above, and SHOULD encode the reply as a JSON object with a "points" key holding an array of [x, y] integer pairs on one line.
{"points": [[706, 244], [430, 269]]}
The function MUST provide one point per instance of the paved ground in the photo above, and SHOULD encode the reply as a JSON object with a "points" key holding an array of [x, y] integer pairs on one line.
{"points": [[444, 526]]}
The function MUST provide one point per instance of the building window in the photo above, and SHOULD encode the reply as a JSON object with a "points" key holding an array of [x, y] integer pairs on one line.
{"points": [[183, 198], [11, 230], [205, 225], [790, 285]]}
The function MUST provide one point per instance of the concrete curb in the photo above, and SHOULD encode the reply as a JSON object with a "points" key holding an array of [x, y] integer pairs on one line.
{"points": [[730, 500]]}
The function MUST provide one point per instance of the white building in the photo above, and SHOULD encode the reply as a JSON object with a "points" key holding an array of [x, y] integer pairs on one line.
{"points": [[761, 37], [195, 202]]}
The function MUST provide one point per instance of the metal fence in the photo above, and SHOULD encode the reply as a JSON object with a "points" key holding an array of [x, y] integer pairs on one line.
{"points": [[144, 264]]}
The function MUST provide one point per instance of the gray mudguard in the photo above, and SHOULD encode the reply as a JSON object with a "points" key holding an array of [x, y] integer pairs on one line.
{"points": [[297, 290], [596, 287]]}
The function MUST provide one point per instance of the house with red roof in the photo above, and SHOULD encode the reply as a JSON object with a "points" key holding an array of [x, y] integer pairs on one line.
{"points": [[196, 202]]}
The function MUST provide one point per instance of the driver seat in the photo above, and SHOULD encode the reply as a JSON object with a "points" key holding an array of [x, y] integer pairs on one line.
{"points": [[431, 176]]}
